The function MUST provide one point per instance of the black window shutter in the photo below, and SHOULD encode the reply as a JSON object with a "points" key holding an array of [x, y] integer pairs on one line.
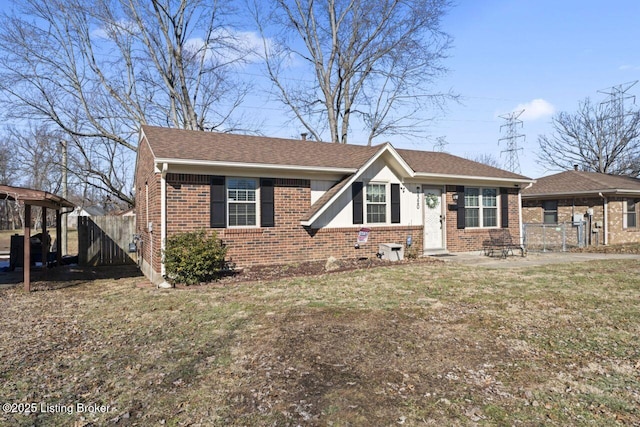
{"points": [[395, 203], [504, 207], [461, 217], [357, 202], [267, 206], [218, 202]]}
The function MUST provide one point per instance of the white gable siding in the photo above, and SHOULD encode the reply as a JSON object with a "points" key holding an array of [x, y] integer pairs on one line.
{"points": [[340, 213], [318, 188]]}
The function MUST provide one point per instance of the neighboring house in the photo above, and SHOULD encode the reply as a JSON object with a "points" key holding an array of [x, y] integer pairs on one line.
{"points": [[72, 217], [608, 204], [280, 200]]}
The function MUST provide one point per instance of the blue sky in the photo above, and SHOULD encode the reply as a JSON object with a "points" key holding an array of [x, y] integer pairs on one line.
{"points": [[544, 56], [509, 53]]}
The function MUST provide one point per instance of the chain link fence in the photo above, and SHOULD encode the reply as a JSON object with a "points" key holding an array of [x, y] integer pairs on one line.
{"points": [[554, 237]]}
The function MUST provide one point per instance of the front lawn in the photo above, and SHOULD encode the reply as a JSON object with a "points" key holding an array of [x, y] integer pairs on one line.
{"points": [[415, 344]]}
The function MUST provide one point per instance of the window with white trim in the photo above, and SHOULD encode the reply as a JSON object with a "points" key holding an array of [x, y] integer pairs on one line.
{"points": [[630, 213], [242, 202], [481, 207], [376, 203]]}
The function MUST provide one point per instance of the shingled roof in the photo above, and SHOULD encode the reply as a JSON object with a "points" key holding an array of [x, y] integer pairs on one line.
{"points": [[581, 182], [199, 146], [181, 144]]}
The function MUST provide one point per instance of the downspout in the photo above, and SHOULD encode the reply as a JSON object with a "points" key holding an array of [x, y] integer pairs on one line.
{"points": [[163, 221], [605, 206], [520, 224]]}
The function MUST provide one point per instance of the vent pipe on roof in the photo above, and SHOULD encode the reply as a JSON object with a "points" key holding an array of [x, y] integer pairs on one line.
{"points": [[303, 136], [575, 167]]}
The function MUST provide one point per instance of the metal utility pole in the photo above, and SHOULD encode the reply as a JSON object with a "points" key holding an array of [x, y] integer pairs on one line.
{"points": [[511, 137], [63, 225]]}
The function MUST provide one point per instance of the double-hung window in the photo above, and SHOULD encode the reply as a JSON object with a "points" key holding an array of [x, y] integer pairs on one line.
{"points": [[376, 203], [630, 213], [481, 207], [241, 201], [550, 214]]}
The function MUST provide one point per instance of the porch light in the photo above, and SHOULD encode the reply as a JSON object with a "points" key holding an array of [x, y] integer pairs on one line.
{"points": [[455, 197]]}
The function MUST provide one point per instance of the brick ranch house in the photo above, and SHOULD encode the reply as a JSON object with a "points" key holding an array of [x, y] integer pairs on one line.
{"points": [[280, 201], [608, 203]]}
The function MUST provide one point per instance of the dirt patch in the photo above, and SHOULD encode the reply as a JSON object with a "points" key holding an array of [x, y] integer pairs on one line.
{"points": [[363, 364]]}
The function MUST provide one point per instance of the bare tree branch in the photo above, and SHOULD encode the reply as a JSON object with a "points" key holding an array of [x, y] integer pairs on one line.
{"points": [[365, 57], [97, 69], [595, 138]]}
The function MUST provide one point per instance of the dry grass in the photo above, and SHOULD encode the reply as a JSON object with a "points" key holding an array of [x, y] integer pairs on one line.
{"points": [[417, 344]]}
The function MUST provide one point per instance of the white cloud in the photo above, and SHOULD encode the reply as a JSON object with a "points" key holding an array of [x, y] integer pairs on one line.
{"points": [[536, 109], [629, 67], [237, 47]]}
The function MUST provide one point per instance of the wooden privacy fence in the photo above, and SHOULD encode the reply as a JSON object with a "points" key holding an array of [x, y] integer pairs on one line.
{"points": [[104, 240]]}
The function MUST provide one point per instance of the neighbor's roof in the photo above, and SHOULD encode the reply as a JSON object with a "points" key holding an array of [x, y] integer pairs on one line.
{"points": [[581, 183], [198, 146]]}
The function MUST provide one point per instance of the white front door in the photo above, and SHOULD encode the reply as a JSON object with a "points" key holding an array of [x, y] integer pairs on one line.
{"points": [[433, 219]]}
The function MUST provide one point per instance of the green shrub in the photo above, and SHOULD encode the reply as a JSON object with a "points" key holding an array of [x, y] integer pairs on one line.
{"points": [[193, 257]]}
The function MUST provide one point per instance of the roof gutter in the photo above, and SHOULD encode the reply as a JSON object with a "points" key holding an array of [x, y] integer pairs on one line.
{"points": [[581, 193], [457, 178], [263, 166]]}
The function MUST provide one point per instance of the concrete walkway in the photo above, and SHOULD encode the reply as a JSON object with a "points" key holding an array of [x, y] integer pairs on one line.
{"points": [[532, 259]]}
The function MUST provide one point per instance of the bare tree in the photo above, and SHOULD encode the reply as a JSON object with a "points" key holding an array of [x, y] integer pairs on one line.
{"points": [[486, 159], [97, 69], [9, 217], [371, 61], [36, 156], [596, 138]]}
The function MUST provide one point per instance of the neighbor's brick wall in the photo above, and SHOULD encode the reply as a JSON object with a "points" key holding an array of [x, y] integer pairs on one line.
{"points": [[533, 212], [472, 239], [188, 199], [618, 234]]}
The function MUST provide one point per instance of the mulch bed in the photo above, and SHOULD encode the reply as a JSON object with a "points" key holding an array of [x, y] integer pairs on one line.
{"points": [[308, 268]]}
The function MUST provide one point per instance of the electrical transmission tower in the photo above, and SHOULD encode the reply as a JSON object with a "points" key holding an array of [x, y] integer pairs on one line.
{"points": [[511, 137], [617, 96]]}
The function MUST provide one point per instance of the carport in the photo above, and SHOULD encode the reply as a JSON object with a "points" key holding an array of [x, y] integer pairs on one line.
{"points": [[45, 200]]}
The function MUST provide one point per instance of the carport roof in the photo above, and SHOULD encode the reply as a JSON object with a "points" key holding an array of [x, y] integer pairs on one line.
{"points": [[33, 197]]}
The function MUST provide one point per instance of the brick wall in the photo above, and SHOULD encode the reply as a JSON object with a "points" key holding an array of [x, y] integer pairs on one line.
{"points": [[188, 209], [472, 239], [617, 233], [147, 181], [188, 199], [532, 212]]}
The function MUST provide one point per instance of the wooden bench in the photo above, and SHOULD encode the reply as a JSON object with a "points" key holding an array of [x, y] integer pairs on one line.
{"points": [[501, 243]]}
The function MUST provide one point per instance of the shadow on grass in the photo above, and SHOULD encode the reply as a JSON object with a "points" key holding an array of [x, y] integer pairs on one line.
{"points": [[67, 275]]}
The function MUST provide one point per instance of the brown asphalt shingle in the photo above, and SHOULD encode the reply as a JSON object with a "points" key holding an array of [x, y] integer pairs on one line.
{"points": [[447, 164], [224, 147], [580, 182], [169, 143]]}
